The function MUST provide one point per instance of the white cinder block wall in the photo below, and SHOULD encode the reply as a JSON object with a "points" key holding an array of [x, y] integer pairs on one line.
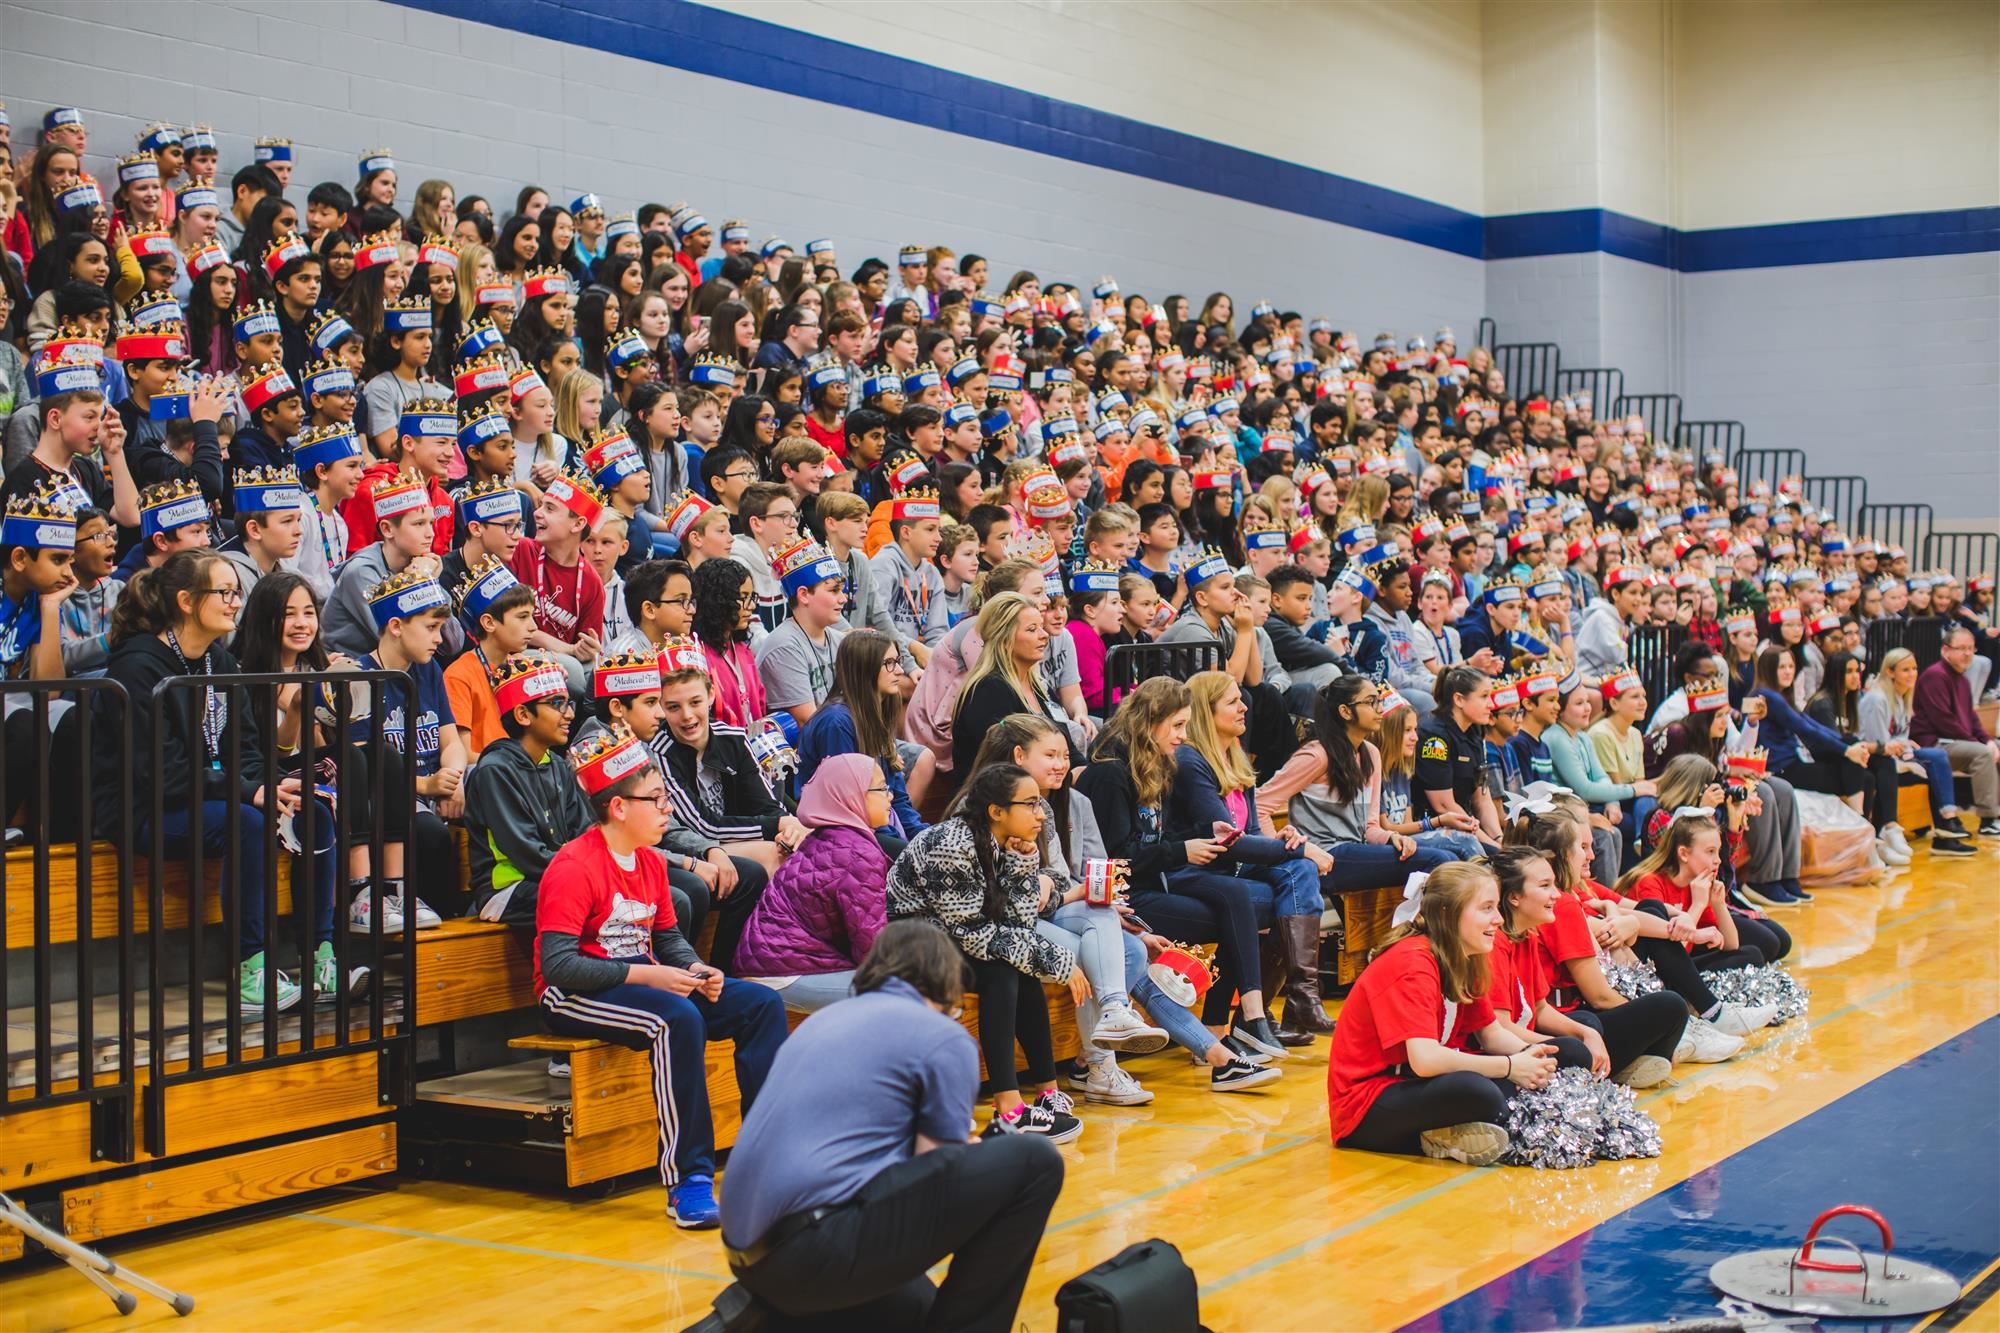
{"points": [[1681, 113]]}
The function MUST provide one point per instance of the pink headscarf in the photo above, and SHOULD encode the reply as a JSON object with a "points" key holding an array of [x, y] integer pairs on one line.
{"points": [[837, 795]]}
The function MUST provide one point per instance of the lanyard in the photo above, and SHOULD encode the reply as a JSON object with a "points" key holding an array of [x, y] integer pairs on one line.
{"points": [[214, 711]]}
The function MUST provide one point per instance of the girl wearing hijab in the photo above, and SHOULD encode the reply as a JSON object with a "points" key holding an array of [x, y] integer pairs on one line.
{"points": [[826, 903]]}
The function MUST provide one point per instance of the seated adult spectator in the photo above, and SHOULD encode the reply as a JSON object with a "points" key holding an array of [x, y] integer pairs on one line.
{"points": [[1942, 716], [1013, 636], [1886, 710], [839, 1206], [827, 902], [610, 964]]}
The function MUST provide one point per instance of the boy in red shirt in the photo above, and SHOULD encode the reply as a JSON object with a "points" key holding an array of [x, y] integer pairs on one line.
{"points": [[610, 964], [569, 596], [426, 439]]}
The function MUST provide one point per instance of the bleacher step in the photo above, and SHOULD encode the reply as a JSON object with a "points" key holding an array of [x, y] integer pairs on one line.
{"points": [[524, 1087]]}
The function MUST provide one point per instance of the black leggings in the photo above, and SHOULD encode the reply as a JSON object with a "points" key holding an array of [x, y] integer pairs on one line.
{"points": [[1830, 777], [1761, 941], [1410, 1106], [1884, 782], [1649, 1025], [1012, 1008]]}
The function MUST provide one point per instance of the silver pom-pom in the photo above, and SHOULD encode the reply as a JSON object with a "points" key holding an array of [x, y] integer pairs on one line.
{"points": [[1630, 980], [1576, 1120], [1771, 984]]}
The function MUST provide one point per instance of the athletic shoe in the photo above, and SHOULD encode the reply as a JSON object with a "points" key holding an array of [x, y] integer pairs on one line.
{"points": [[1890, 853], [1241, 1050], [559, 1066], [1893, 833], [1239, 1076], [426, 918], [1256, 1033], [691, 1204], [1475, 1144], [1701, 1044], [1740, 1020], [1648, 1071], [250, 985], [363, 909], [1056, 1102], [1113, 1086], [1989, 828], [1121, 1029], [1799, 895], [326, 976], [1766, 895], [1033, 1118], [1948, 846]]}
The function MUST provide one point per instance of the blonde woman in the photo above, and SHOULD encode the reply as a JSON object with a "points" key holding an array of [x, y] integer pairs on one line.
{"points": [[1013, 634], [1885, 724]]}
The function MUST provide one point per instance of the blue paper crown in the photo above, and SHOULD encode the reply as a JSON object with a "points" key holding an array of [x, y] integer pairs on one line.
{"points": [[405, 321], [172, 511], [273, 152], [482, 337], [173, 403], [1056, 427], [822, 246], [820, 376], [1212, 564], [1094, 580], [254, 321], [40, 522], [61, 115], [1191, 419], [403, 600], [69, 377], [321, 451], [995, 422], [986, 305], [79, 196], [259, 491], [481, 428], [160, 136], [916, 383], [622, 225], [1500, 593], [1523, 642], [617, 469], [489, 506], [812, 572], [328, 379], [375, 162], [1548, 588], [197, 196], [326, 334], [198, 139], [1354, 577], [628, 348], [477, 595], [735, 232], [417, 425], [962, 370], [1267, 540], [958, 414], [585, 203], [1109, 427], [1223, 406], [876, 384], [772, 245], [709, 372], [689, 225]]}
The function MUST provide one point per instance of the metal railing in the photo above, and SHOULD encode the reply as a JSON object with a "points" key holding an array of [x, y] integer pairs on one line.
{"points": [[1922, 635], [1907, 525], [1702, 438], [1842, 496], [1649, 651], [1660, 411], [1487, 334], [1965, 554], [1130, 663], [1528, 368], [1769, 466], [1605, 385], [109, 1091]]}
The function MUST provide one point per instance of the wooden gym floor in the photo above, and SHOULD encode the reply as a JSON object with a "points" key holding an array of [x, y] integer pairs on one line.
{"points": [[1886, 1094]]}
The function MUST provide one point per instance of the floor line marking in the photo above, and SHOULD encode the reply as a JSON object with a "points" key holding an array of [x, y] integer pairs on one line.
{"points": [[1219, 1168], [532, 1251], [1894, 922], [1388, 1211], [1958, 1309]]}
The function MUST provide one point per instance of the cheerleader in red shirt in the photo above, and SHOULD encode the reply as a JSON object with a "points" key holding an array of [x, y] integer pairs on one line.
{"points": [[1642, 1053], [1682, 876], [1402, 1075]]}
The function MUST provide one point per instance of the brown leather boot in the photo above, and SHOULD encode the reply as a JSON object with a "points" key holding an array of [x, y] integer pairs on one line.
{"points": [[1274, 954], [1304, 1014]]}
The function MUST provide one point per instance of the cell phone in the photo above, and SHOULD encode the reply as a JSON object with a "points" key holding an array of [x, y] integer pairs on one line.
{"points": [[1229, 839]]}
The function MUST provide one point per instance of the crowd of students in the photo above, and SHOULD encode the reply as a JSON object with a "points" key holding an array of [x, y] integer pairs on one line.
{"points": [[726, 590]]}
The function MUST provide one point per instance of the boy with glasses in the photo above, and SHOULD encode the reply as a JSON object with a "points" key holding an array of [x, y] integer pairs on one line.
{"points": [[659, 601], [771, 522], [610, 964]]}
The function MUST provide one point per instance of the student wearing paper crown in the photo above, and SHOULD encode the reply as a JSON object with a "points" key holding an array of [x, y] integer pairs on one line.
{"points": [[79, 441], [37, 552]]}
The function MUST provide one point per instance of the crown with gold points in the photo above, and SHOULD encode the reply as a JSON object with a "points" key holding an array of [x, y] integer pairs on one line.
{"points": [[265, 385], [281, 251], [264, 490], [682, 510], [578, 494], [484, 584], [203, 257], [437, 249], [478, 426], [168, 505], [918, 502], [374, 160], [1092, 576], [328, 331], [152, 310], [494, 500], [546, 281], [405, 595], [804, 564], [428, 418], [1036, 546], [1501, 590], [681, 654], [163, 339], [606, 758], [139, 166], [159, 135], [272, 148], [255, 320], [481, 336], [322, 446], [383, 247], [325, 376], [398, 493], [407, 314], [612, 457], [197, 192], [484, 373], [711, 371], [1503, 692], [44, 520], [623, 675]]}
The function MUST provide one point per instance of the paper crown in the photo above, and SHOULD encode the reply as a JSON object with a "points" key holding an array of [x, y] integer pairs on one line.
{"points": [[1068, 449], [282, 251], [612, 457], [495, 293], [962, 370], [1059, 425], [1211, 563], [621, 224], [925, 377], [489, 501], [84, 195], [579, 495], [260, 490], [384, 247], [522, 383], [627, 348], [325, 377], [324, 445], [679, 653], [155, 342], [985, 305], [735, 229], [712, 371], [804, 564], [255, 320], [149, 310], [168, 505], [881, 380], [199, 192], [436, 249], [1624, 682], [1108, 427], [918, 502], [399, 493], [1551, 587], [825, 371], [327, 331], [157, 136], [407, 314], [425, 418], [273, 150], [484, 584], [821, 250], [906, 472], [1092, 576], [912, 256], [1502, 591], [267, 384], [198, 138], [481, 336], [479, 374], [1707, 696], [1621, 575], [1266, 539], [139, 166], [203, 258], [996, 423], [958, 414], [686, 225], [44, 520], [524, 678], [621, 675], [174, 401], [405, 595], [376, 159], [1034, 545], [1356, 576], [57, 116], [1503, 693], [542, 282], [480, 425], [608, 757]]}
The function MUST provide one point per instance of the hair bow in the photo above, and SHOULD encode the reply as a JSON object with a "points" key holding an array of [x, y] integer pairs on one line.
{"points": [[1537, 798], [1693, 812], [1413, 898]]}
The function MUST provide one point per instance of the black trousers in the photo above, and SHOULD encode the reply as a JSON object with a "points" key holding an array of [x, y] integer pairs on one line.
{"points": [[1410, 1106], [733, 913], [1830, 777], [1673, 963], [68, 790], [984, 1205], [1649, 1025], [1270, 735], [1012, 1008], [430, 860], [1205, 909]]}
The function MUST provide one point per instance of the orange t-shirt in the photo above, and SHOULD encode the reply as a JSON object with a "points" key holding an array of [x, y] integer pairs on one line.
{"points": [[472, 702]]}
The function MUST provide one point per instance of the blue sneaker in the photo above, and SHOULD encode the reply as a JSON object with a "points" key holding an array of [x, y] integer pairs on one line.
{"points": [[1799, 895], [692, 1204]]}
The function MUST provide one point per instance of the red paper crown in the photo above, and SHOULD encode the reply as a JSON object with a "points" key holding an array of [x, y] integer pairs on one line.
{"points": [[622, 674], [608, 757], [524, 678], [578, 495], [679, 653]]}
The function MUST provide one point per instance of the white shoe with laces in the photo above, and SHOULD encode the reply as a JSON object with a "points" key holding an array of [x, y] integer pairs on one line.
{"points": [[1890, 853], [1111, 1085], [1119, 1028], [1701, 1044], [1740, 1020]]}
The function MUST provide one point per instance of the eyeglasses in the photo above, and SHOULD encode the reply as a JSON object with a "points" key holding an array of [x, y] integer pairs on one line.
{"points": [[770, 419], [658, 799], [562, 703], [229, 596], [878, 791], [783, 516], [747, 599], [1034, 801], [674, 601], [892, 664], [108, 537], [739, 476]]}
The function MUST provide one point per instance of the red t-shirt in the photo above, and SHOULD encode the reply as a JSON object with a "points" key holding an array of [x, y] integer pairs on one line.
{"points": [[1563, 941], [1397, 997], [359, 511], [827, 437], [612, 911], [1677, 897], [1519, 978], [569, 599]]}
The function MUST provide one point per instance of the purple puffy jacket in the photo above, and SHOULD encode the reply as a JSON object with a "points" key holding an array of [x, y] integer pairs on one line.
{"points": [[821, 911]]}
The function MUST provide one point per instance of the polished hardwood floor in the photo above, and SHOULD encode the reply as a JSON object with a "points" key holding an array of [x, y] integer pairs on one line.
{"points": [[1283, 1231]]}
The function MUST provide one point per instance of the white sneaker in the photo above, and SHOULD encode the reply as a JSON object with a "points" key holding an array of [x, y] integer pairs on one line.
{"points": [[426, 918], [359, 915], [1648, 1071], [1893, 833], [1476, 1144], [559, 1066], [1740, 1020], [1701, 1044], [1121, 1029], [1109, 1084], [1890, 853]]}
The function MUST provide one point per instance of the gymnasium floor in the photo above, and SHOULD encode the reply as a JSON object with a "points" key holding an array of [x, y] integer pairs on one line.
{"points": [[1887, 1094]]}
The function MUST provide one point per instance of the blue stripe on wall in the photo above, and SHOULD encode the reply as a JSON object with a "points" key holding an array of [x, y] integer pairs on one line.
{"points": [[683, 35]]}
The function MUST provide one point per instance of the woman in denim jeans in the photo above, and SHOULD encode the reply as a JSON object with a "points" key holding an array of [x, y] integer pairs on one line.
{"points": [[1885, 724]]}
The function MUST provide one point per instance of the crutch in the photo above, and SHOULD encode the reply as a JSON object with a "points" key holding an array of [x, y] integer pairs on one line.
{"points": [[91, 1264]]}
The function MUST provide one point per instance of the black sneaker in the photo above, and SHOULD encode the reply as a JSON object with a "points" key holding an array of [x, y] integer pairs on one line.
{"points": [[1799, 895], [1959, 846], [1240, 1076], [1241, 1050], [1989, 828], [1257, 1034], [1055, 1126]]}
